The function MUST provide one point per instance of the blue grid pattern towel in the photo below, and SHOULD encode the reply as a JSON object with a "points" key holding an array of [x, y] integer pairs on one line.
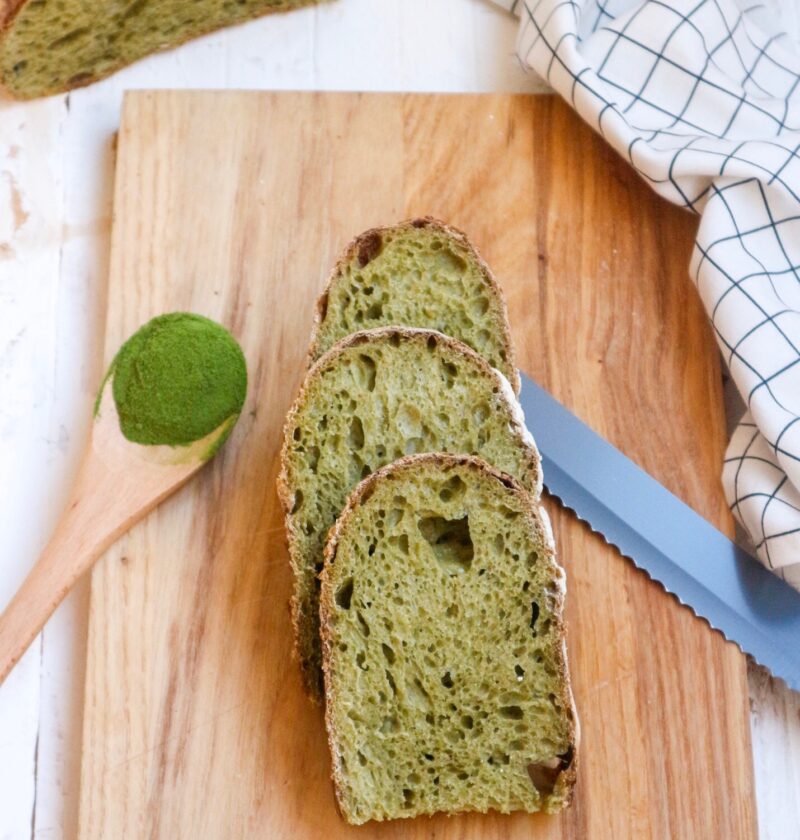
{"points": [[706, 107]]}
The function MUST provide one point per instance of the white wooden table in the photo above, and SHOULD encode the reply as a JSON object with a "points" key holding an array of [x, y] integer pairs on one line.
{"points": [[55, 207]]}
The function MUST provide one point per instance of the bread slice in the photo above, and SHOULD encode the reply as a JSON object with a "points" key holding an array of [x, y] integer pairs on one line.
{"points": [[49, 46], [374, 397], [419, 273], [445, 664]]}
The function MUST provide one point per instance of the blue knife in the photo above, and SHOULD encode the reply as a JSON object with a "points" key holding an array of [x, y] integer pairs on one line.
{"points": [[675, 546]]}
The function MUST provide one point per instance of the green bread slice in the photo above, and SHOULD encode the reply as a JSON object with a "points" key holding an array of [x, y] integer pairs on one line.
{"points": [[419, 273], [374, 397], [446, 676], [47, 46]]}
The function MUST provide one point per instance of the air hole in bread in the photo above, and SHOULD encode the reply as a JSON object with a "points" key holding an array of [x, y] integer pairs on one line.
{"points": [[392, 683], [389, 725], [450, 373], [480, 306], [451, 542], [512, 712], [481, 413], [416, 694], [366, 371], [355, 436], [534, 616], [401, 542], [362, 622], [68, 38], [455, 264], [298, 501], [453, 489], [544, 775], [344, 594], [413, 446]]}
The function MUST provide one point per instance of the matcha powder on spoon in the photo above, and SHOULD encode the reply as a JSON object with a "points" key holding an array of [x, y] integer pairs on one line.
{"points": [[176, 380]]}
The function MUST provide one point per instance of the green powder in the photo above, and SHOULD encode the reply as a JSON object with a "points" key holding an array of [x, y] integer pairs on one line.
{"points": [[176, 380]]}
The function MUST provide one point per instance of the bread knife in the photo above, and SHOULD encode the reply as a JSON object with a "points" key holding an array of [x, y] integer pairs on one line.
{"points": [[692, 560]]}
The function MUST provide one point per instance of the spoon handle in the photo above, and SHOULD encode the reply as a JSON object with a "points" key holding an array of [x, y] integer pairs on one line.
{"points": [[72, 549], [70, 552], [110, 495]]}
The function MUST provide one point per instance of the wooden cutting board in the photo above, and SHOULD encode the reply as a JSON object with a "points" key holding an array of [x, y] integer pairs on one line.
{"points": [[235, 205]]}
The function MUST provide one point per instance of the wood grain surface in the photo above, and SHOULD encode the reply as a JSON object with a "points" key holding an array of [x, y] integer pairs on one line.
{"points": [[235, 205]]}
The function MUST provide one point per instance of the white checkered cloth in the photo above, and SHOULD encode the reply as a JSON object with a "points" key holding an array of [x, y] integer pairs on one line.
{"points": [[706, 107]]}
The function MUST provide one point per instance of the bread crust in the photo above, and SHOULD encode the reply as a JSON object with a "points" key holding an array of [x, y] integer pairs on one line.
{"points": [[567, 778], [9, 9], [286, 492], [458, 236]]}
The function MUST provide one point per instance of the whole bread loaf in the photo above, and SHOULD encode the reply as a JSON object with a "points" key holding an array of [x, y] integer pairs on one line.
{"points": [[445, 665], [47, 46], [418, 273], [374, 397]]}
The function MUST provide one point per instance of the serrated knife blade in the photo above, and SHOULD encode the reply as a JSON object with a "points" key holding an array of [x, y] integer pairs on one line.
{"points": [[664, 537]]}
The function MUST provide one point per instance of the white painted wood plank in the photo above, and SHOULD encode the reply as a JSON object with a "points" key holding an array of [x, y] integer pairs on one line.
{"points": [[86, 183], [30, 212], [775, 726]]}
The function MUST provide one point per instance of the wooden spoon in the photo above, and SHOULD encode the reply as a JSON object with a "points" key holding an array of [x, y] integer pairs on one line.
{"points": [[117, 484]]}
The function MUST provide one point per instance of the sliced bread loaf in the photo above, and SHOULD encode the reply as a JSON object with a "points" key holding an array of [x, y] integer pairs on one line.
{"points": [[48, 46], [419, 273], [374, 397], [445, 665]]}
